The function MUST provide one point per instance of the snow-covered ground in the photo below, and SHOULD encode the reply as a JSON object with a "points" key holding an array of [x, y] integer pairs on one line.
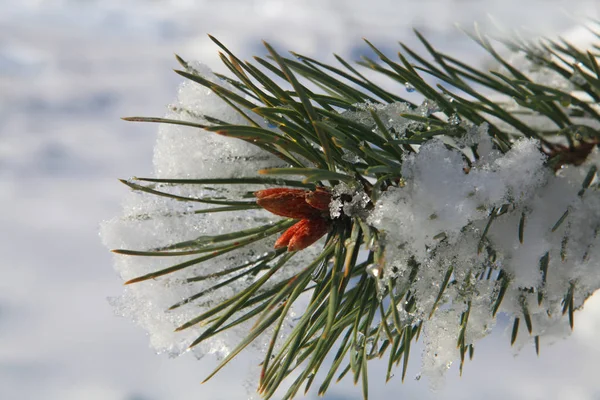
{"points": [[70, 69]]}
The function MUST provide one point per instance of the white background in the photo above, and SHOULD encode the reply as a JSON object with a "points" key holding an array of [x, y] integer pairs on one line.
{"points": [[70, 69]]}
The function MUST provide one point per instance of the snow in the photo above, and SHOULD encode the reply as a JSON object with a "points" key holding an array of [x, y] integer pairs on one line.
{"points": [[151, 222], [440, 198], [350, 201], [183, 152], [390, 115], [448, 214]]}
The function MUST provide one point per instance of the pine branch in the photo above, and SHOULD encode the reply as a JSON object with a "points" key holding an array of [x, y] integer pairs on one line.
{"points": [[356, 299]]}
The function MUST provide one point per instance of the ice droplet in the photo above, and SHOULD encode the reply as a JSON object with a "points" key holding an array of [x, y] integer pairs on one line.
{"points": [[335, 208], [454, 119], [374, 270], [371, 345], [270, 124], [428, 107], [449, 98], [409, 88]]}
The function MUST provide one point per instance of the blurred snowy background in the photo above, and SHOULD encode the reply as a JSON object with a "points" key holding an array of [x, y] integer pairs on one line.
{"points": [[70, 68]]}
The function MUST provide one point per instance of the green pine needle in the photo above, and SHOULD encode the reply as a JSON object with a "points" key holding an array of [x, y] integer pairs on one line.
{"points": [[353, 315]]}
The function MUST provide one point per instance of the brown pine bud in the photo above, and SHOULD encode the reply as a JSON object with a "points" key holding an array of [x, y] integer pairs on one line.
{"points": [[285, 238], [307, 206], [302, 234], [285, 202], [319, 199], [269, 192]]}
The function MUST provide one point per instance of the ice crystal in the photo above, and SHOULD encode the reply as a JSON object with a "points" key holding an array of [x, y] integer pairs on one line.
{"points": [[349, 201], [150, 221], [391, 116], [438, 219]]}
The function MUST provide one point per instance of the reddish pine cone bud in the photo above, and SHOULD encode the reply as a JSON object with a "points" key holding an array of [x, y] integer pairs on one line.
{"points": [[319, 199], [302, 234], [308, 206], [294, 203], [269, 192], [289, 203], [285, 238]]}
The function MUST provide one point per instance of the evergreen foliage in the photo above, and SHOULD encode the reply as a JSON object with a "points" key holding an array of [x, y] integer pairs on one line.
{"points": [[353, 314]]}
